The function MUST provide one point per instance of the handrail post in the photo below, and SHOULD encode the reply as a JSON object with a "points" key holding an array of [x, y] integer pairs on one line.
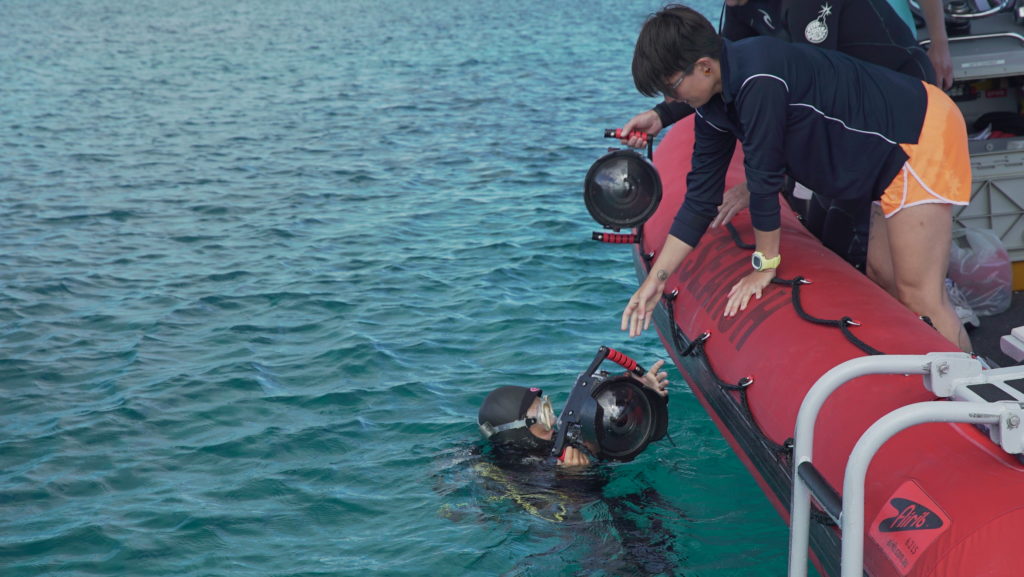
{"points": [[800, 505], [852, 517]]}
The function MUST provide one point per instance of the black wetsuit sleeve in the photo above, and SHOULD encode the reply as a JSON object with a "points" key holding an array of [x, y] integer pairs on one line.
{"points": [[755, 18], [736, 24]]}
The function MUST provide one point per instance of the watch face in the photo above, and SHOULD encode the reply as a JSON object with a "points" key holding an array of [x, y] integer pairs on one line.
{"points": [[761, 263]]}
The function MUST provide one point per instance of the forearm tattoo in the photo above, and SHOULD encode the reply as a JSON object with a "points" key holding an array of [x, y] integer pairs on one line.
{"points": [[662, 275]]}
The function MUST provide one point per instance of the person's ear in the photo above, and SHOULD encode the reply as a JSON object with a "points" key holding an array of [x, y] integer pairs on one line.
{"points": [[703, 66]]}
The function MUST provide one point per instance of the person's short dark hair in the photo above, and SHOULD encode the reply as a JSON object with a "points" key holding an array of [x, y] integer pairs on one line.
{"points": [[671, 41]]}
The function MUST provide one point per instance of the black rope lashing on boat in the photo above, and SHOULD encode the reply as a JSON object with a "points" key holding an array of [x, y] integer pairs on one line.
{"points": [[786, 449], [677, 333], [741, 387], [696, 348], [735, 234], [783, 451], [842, 324]]}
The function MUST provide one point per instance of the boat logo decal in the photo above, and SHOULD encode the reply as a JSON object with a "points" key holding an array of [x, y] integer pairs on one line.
{"points": [[908, 523], [912, 516], [817, 30]]}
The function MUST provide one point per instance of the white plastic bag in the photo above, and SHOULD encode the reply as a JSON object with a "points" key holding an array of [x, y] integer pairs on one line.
{"points": [[980, 265]]}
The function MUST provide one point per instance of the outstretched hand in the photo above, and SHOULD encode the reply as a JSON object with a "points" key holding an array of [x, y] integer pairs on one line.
{"points": [[637, 316], [656, 379]]}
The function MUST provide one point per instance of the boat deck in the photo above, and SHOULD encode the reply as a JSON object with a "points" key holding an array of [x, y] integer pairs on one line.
{"points": [[985, 338]]}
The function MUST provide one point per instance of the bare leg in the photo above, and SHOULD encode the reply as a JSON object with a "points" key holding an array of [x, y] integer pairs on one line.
{"points": [[919, 238], [879, 265]]}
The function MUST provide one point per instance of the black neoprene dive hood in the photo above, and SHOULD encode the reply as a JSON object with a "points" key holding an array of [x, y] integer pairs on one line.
{"points": [[504, 406]]}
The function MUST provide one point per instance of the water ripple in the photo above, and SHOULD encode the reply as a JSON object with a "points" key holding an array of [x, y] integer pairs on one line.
{"points": [[262, 262]]}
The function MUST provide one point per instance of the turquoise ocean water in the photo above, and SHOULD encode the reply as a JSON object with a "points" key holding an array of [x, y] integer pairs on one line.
{"points": [[262, 260]]}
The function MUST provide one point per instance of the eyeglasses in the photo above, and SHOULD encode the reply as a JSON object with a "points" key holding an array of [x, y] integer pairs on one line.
{"points": [[670, 92]]}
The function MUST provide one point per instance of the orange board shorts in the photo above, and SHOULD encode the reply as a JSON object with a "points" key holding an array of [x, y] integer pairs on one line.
{"points": [[938, 169]]}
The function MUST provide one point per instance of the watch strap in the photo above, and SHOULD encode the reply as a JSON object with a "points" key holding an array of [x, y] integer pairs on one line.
{"points": [[760, 262]]}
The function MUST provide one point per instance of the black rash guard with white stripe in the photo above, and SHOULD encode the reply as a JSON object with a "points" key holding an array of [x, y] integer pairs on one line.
{"points": [[830, 121]]}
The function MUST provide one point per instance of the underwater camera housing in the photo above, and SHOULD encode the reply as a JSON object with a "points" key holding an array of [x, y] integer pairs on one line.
{"points": [[622, 189], [613, 418]]}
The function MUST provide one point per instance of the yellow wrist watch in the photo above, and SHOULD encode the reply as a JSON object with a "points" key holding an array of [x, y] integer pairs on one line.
{"points": [[760, 262]]}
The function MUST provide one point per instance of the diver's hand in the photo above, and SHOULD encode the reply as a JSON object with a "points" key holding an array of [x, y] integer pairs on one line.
{"points": [[750, 285], [734, 200], [573, 457], [655, 380], [647, 121], [637, 316]]}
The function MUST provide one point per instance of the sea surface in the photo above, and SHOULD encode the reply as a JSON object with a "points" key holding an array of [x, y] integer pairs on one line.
{"points": [[261, 261]]}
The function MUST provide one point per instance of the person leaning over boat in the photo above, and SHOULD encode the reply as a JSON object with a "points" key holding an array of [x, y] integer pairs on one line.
{"points": [[519, 422], [846, 128], [870, 30]]}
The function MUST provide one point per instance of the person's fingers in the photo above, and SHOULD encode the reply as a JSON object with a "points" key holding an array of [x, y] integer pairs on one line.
{"points": [[640, 320], [634, 325], [736, 302], [744, 301], [626, 315], [573, 457]]}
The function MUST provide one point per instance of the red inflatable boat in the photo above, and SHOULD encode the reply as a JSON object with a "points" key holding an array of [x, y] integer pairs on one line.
{"points": [[940, 498]]}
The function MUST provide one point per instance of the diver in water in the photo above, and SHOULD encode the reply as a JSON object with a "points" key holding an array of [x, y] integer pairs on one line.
{"points": [[534, 462], [520, 424]]}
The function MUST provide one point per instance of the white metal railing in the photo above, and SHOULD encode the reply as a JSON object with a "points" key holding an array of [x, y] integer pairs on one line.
{"points": [[979, 397]]}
